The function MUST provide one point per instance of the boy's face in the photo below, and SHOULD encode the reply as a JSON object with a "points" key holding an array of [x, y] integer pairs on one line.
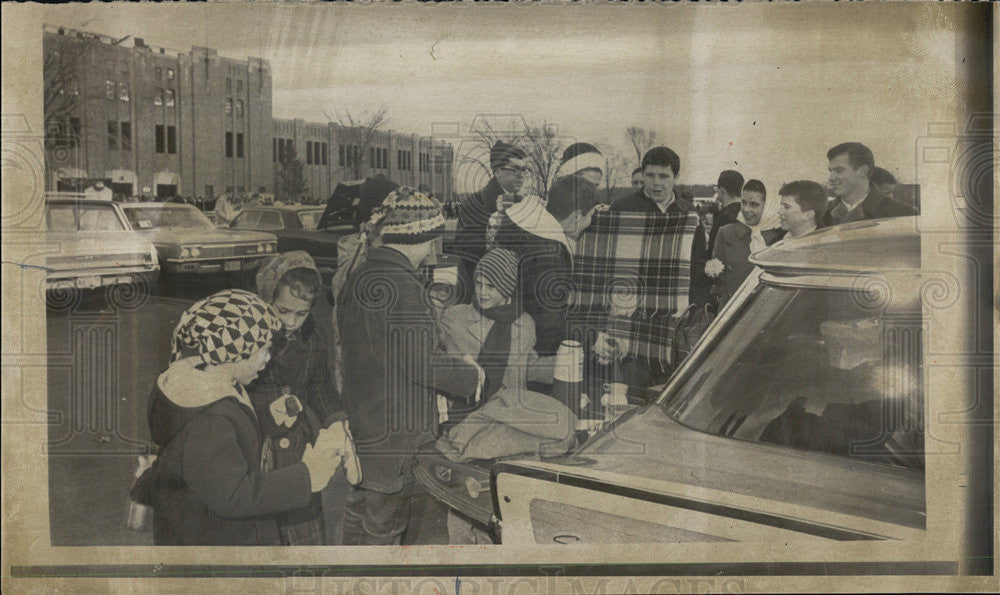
{"points": [[488, 295], [659, 183], [246, 371], [292, 310]]}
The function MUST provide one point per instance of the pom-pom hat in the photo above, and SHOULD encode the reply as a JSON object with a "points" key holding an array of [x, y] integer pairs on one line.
{"points": [[228, 326]]}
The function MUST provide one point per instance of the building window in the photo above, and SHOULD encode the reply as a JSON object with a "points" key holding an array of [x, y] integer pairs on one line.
{"points": [[170, 98], [324, 153], [160, 139], [239, 108], [316, 153], [229, 189], [112, 134], [274, 150], [171, 139], [371, 157], [229, 84], [159, 73], [309, 152], [229, 106], [239, 145], [209, 191], [123, 91], [158, 97], [281, 150], [229, 144], [289, 146], [170, 74], [438, 164], [126, 130], [110, 89], [340, 151], [239, 85], [385, 158]]}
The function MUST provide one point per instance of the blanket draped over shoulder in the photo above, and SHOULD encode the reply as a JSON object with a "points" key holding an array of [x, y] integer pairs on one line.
{"points": [[631, 272]]}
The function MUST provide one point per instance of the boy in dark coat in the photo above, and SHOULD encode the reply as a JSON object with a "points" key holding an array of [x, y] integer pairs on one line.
{"points": [[393, 367], [207, 486], [295, 396]]}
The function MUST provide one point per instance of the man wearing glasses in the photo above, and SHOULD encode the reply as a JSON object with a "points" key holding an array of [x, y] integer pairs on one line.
{"points": [[509, 168]]}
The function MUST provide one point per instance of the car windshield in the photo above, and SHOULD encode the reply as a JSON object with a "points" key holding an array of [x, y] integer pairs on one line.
{"points": [[310, 218], [819, 369], [82, 217], [154, 217]]}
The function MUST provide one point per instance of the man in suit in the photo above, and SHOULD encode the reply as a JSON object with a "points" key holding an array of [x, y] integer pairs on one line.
{"points": [[729, 189], [856, 198], [509, 169], [660, 166]]}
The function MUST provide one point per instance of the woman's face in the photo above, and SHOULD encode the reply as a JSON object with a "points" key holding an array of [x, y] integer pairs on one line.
{"points": [[488, 295], [246, 371]]}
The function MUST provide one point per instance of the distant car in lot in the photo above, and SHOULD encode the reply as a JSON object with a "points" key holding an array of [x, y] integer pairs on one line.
{"points": [[188, 243], [96, 247], [798, 415], [296, 229]]}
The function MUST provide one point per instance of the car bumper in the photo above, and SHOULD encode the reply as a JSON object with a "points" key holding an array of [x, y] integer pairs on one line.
{"points": [[57, 280], [215, 265]]}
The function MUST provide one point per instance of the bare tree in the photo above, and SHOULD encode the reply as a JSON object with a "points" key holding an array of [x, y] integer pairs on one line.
{"points": [[66, 89], [485, 133], [544, 148], [642, 140], [360, 131], [616, 167]]}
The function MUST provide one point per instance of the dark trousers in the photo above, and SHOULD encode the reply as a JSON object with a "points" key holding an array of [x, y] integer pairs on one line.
{"points": [[374, 518]]}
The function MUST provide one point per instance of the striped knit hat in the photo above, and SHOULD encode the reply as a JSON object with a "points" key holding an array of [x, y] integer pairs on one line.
{"points": [[228, 326], [408, 217], [499, 267]]}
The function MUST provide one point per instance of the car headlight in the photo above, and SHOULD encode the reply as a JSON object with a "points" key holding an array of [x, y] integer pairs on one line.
{"points": [[195, 251], [185, 253], [269, 247]]}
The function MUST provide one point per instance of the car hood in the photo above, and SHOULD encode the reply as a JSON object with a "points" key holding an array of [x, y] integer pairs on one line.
{"points": [[648, 450], [182, 235], [90, 243]]}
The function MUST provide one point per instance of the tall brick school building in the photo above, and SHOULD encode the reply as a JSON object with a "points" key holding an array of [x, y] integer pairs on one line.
{"points": [[158, 122]]}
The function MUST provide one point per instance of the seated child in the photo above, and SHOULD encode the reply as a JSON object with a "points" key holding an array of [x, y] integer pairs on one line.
{"points": [[299, 368]]}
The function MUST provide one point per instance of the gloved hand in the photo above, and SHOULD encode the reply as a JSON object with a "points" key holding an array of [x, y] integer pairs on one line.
{"points": [[352, 465], [322, 460]]}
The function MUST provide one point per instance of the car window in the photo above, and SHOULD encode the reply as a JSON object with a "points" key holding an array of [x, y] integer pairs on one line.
{"points": [[310, 219], [84, 217], [246, 220], [155, 217], [270, 220], [816, 369]]}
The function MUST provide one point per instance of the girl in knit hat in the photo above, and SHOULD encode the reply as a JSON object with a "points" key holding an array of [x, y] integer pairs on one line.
{"points": [[494, 328], [207, 486]]}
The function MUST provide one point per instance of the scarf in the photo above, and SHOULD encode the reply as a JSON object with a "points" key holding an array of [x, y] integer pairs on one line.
{"points": [[495, 352]]}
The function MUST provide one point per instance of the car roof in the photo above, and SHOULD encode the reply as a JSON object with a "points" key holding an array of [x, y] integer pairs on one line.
{"points": [[161, 205], [79, 199], [861, 246], [294, 208]]}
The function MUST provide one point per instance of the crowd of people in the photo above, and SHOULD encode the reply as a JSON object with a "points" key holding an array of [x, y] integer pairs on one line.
{"points": [[259, 408]]}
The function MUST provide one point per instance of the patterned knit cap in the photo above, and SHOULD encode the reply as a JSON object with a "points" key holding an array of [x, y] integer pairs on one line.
{"points": [[408, 217], [228, 326], [499, 267]]}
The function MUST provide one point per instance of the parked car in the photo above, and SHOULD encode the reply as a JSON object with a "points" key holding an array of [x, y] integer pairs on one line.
{"points": [[188, 243], [798, 415], [96, 247], [296, 229]]}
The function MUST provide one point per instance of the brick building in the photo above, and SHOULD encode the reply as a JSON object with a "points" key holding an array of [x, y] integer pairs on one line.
{"points": [[150, 121]]}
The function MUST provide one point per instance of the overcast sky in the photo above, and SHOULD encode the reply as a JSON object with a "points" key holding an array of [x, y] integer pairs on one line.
{"points": [[762, 89]]}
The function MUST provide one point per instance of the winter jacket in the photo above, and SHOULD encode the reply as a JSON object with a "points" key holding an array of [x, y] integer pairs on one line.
{"points": [[207, 485], [393, 367]]}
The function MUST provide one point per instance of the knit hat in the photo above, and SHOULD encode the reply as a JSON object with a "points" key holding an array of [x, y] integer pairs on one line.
{"points": [[408, 217], [228, 326], [580, 156], [502, 152], [499, 267], [269, 275]]}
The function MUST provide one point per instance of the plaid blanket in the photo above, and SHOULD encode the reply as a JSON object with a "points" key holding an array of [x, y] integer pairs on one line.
{"points": [[633, 270]]}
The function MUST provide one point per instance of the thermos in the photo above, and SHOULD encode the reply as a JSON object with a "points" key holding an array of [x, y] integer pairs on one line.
{"points": [[567, 380]]}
